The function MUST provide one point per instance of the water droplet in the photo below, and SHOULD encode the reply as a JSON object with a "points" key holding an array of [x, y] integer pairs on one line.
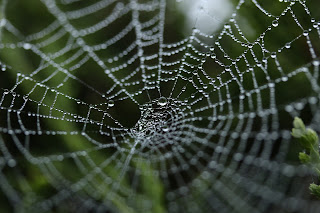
{"points": [[284, 78], [162, 101], [316, 63], [12, 163], [288, 45], [305, 33], [273, 55], [271, 85], [27, 46], [60, 158], [110, 103], [315, 25], [275, 23], [2, 22], [3, 68], [165, 128], [313, 100]]}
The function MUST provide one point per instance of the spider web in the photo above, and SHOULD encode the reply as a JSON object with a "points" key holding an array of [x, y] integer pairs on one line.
{"points": [[108, 106]]}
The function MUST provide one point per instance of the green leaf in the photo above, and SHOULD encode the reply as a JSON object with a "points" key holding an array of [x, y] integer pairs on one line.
{"points": [[299, 125], [304, 158], [315, 190], [308, 137]]}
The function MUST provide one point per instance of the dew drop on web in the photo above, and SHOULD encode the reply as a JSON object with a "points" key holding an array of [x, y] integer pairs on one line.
{"points": [[110, 103], [275, 23], [162, 101]]}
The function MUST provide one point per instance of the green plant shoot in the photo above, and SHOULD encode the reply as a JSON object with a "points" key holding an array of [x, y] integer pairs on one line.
{"points": [[309, 140]]}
